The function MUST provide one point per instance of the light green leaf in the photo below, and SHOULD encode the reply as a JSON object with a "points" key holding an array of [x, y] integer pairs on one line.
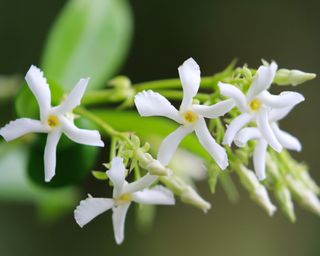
{"points": [[89, 39]]}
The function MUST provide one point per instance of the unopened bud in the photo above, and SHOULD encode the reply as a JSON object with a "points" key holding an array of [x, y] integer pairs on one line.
{"points": [[190, 196], [292, 77]]}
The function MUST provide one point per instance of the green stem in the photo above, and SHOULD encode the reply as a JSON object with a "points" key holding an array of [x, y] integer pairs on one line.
{"points": [[102, 124]]}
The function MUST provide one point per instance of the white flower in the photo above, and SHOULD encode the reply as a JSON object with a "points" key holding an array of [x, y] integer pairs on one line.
{"points": [[190, 116], [257, 104], [123, 194], [53, 120], [285, 139]]}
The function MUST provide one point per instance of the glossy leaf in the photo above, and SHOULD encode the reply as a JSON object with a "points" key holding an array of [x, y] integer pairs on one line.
{"points": [[89, 39]]}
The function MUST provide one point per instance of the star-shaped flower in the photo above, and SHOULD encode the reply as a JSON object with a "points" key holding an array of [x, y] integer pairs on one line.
{"points": [[189, 116], [285, 139], [53, 120], [123, 194], [257, 104]]}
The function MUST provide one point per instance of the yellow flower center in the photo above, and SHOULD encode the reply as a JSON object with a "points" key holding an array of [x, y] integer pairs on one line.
{"points": [[255, 105], [190, 117], [125, 198], [53, 121]]}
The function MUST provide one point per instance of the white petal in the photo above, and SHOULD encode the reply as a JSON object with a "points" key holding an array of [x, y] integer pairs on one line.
{"points": [[235, 126], [151, 103], [117, 174], [118, 220], [286, 140], [216, 110], [50, 154], [234, 93], [81, 136], [155, 195], [139, 184], [259, 159], [277, 114], [74, 98], [189, 73], [40, 89], [217, 152], [170, 144], [266, 131], [90, 208], [246, 134], [285, 99], [262, 80], [20, 127]]}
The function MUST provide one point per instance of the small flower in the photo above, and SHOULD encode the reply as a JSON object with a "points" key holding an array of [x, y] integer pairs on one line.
{"points": [[123, 194], [256, 106], [53, 120], [285, 139], [190, 116]]}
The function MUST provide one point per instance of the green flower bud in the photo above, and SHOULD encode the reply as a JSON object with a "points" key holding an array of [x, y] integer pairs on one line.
{"points": [[292, 77], [283, 195]]}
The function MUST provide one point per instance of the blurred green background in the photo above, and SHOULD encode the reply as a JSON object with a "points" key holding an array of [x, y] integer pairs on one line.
{"points": [[165, 34]]}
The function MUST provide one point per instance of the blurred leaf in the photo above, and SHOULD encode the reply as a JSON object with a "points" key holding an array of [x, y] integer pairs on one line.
{"points": [[15, 186], [74, 161], [90, 38], [100, 175], [149, 127]]}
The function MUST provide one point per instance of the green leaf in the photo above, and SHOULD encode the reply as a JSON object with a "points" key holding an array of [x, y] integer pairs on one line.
{"points": [[90, 38], [15, 186], [100, 175], [151, 129]]}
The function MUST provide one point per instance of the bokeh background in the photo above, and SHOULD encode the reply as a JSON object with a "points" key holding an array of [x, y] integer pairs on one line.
{"points": [[166, 33]]}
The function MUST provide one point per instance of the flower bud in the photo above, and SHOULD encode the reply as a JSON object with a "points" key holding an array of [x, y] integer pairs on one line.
{"points": [[257, 191], [190, 196], [292, 77], [283, 195]]}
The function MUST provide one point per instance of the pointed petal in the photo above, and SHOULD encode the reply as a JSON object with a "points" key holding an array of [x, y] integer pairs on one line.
{"points": [[266, 131], [74, 98], [286, 140], [118, 221], [234, 93], [216, 110], [259, 159], [90, 208], [20, 127], [81, 136], [262, 80], [217, 152], [50, 154], [246, 134], [189, 73], [40, 89], [284, 99], [140, 184], [151, 103], [155, 195], [117, 174], [277, 114], [170, 144], [235, 126]]}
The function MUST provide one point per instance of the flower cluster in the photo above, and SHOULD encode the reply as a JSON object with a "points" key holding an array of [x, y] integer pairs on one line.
{"points": [[244, 113]]}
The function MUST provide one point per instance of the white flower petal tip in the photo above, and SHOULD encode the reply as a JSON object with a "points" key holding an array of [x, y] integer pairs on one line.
{"points": [[90, 208], [190, 76], [150, 103], [157, 195]]}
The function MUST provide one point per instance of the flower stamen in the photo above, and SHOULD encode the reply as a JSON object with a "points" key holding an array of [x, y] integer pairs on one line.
{"points": [[255, 105], [53, 121], [190, 117]]}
